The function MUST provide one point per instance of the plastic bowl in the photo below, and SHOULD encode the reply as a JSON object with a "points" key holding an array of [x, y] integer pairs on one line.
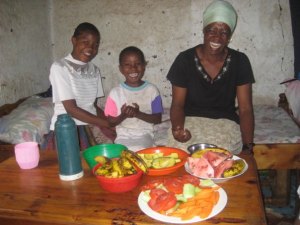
{"points": [[107, 150], [118, 185], [200, 146], [166, 151]]}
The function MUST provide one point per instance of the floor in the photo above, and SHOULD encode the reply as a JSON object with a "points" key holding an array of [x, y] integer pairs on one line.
{"points": [[280, 214]]}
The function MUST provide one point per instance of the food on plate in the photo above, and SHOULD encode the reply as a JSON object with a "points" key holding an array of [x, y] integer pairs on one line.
{"points": [[101, 159], [135, 158], [159, 160], [214, 163], [200, 153], [124, 166], [184, 197], [237, 167]]}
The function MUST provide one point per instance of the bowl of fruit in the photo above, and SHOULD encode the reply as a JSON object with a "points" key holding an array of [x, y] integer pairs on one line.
{"points": [[120, 174], [163, 160], [216, 164], [93, 155]]}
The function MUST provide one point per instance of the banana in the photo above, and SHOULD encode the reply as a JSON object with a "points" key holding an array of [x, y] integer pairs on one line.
{"points": [[101, 159], [116, 168], [125, 163], [200, 153], [135, 159], [102, 171]]}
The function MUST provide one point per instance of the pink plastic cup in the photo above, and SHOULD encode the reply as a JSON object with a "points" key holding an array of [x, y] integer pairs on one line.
{"points": [[27, 155]]}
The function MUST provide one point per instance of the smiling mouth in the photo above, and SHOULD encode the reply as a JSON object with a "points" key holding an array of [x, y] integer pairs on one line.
{"points": [[214, 45], [133, 75]]}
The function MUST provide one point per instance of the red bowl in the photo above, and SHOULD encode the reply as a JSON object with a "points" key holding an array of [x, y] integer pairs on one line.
{"points": [[118, 185], [166, 151]]}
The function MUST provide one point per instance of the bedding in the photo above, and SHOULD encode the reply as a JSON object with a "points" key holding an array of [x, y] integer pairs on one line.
{"points": [[274, 125], [30, 121]]}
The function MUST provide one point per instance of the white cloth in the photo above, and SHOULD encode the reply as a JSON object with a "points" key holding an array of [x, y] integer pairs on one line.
{"points": [[73, 79], [221, 132], [292, 93]]}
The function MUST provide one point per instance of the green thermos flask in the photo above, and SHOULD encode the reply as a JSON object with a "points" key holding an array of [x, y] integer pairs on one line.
{"points": [[68, 150]]}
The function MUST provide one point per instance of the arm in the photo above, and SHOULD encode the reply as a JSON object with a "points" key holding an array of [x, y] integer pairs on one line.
{"points": [[244, 96], [87, 117], [177, 114], [149, 118], [100, 112]]}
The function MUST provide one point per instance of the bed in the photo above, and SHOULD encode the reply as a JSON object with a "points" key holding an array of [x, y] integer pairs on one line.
{"points": [[277, 135]]}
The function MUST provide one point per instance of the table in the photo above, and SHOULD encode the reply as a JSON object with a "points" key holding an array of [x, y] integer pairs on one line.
{"points": [[38, 196]]}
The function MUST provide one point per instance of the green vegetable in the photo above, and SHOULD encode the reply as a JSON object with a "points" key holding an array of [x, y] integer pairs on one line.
{"points": [[174, 155], [207, 183], [188, 190], [163, 162], [146, 196], [180, 198], [158, 160]]}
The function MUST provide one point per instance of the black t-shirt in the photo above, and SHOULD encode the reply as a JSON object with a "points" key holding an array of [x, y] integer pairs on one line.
{"points": [[211, 99]]}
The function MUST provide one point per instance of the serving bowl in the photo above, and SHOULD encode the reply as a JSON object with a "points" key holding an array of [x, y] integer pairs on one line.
{"points": [[182, 155], [200, 146], [118, 185], [220, 179], [107, 150]]}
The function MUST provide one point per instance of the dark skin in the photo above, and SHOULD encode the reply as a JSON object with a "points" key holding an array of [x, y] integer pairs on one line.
{"points": [[133, 68], [85, 48], [212, 54]]}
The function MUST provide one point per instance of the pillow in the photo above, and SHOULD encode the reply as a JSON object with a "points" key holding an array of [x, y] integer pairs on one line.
{"points": [[30, 121]]}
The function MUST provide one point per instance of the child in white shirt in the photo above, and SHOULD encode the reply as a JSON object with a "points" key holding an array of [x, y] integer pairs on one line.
{"points": [[135, 105]]}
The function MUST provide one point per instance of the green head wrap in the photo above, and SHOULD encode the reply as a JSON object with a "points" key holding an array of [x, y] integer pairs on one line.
{"points": [[220, 11]]}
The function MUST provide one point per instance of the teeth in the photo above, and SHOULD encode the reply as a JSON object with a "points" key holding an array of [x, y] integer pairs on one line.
{"points": [[87, 53], [214, 45], [133, 75]]}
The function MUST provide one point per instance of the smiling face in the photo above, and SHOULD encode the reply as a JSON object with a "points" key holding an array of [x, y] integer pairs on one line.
{"points": [[216, 37], [85, 46], [132, 66]]}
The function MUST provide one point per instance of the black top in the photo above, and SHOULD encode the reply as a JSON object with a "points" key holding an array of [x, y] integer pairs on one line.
{"points": [[211, 98]]}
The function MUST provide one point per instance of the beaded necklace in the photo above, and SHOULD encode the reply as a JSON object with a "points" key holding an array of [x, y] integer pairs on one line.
{"points": [[206, 76]]}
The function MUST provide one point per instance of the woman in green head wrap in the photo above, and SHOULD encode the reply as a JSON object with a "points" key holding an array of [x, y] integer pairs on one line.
{"points": [[206, 80]]}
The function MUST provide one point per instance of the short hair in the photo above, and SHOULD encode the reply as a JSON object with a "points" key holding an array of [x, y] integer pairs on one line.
{"points": [[86, 27], [131, 49]]}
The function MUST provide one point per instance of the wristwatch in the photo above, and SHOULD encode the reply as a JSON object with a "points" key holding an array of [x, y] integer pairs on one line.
{"points": [[248, 147]]}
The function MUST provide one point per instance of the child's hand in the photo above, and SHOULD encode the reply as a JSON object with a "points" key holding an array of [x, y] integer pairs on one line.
{"points": [[127, 111], [136, 109], [130, 111]]}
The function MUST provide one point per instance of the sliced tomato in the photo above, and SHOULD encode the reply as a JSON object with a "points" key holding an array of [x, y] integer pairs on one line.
{"points": [[154, 205], [163, 202], [190, 179], [166, 200], [154, 193], [151, 185], [174, 185]]}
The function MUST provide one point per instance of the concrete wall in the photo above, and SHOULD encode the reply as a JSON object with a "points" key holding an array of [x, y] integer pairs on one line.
{"points": [[161, 28], [164, 28], [25, 48]]}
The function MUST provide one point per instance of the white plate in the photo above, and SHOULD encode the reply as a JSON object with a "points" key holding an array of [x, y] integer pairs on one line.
{"points": [[176, 220], [218, 180]]}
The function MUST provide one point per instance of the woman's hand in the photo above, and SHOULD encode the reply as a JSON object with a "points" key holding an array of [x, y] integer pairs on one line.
{"points": [[181, 135]]}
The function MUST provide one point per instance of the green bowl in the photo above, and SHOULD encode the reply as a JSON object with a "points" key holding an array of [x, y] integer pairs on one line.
{"points": [[107, 150]]}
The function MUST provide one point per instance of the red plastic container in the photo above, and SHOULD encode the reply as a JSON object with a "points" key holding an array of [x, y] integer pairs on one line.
{"points": [[166, 151], [118, 185]]}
